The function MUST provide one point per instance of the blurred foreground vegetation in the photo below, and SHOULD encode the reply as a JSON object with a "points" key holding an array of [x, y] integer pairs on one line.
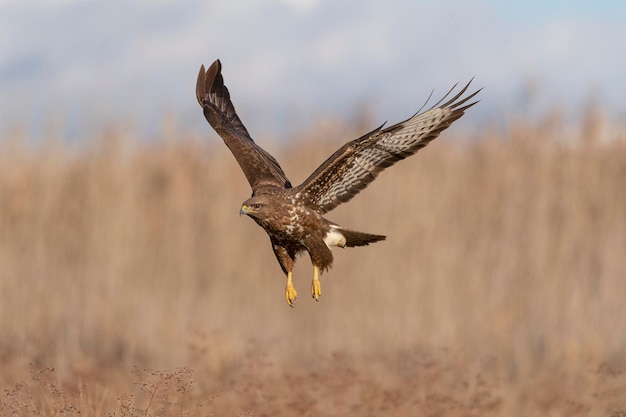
{"points": [[500, 290]]}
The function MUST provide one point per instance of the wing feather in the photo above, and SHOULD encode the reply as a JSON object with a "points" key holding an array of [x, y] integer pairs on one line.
{"points": [[358, 163], [260, 168]]}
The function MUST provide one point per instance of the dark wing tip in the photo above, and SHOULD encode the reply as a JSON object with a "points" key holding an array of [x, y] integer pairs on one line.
{"points": [[200, 85], [207, 79], [456, 105], [456, 100], [214, 71]]}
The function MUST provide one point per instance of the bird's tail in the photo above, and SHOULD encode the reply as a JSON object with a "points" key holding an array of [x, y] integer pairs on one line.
{"points": [[354, 238]]}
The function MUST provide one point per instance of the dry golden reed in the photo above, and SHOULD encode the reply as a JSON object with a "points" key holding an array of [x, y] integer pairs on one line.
{"points": [[500, 290]]}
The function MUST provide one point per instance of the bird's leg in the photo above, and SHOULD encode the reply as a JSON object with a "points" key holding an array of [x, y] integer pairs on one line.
{"points": [[316, 288], [290, 291]]}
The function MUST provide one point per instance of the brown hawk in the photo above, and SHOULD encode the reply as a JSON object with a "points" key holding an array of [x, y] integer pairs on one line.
{"points": [[292, 216]]}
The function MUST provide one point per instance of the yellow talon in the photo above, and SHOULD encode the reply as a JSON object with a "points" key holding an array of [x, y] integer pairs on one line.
{"points": [[290, 291], [316, 288]]}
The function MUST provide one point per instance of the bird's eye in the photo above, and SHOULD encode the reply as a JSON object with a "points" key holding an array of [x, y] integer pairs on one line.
{"points": [[256, 206]]}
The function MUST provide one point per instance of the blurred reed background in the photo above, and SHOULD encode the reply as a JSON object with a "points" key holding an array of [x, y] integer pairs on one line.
{"points": [[505, 262]]}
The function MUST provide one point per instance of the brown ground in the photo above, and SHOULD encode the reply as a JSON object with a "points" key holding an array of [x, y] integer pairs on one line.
{"points": [[129, 285]]}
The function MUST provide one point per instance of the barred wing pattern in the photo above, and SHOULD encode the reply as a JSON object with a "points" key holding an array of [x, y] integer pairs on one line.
{"points": [[358, 163], [259, 167]]}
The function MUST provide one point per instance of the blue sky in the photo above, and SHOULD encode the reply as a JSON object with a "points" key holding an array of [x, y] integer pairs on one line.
{"points": [[81, 64]]}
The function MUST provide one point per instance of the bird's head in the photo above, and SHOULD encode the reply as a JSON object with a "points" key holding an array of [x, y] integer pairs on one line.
{"points": [[255, 207]]}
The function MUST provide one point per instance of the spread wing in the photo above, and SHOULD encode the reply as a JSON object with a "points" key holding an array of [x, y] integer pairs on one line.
{"points": [[260, 168], [358, 163]]}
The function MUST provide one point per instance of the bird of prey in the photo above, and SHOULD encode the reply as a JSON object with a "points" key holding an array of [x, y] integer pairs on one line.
{"points": [[292, 216]]}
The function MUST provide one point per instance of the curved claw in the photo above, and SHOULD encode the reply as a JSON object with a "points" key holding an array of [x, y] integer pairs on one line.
{"points": [[290, 292], [291, 295], [316, 288]]}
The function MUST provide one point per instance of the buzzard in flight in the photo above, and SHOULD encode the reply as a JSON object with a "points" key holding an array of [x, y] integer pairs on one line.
{"points": [[292, 216]]}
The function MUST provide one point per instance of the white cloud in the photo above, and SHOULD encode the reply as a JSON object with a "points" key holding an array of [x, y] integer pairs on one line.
{"points": [[41, 3], [304, 56], [302, 6]]}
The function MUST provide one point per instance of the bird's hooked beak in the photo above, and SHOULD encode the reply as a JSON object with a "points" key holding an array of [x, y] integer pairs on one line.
{"points": [[244, 210]]}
